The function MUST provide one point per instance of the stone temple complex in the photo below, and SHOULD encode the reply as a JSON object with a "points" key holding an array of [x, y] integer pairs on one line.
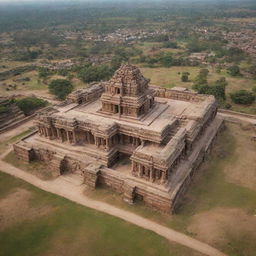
{"points": [[142, 141]]}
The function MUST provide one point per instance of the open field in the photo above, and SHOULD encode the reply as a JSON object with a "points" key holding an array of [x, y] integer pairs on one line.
{"points": [[152, 48], [221, 203], [34, 85], [34, 222], [170, 77]]}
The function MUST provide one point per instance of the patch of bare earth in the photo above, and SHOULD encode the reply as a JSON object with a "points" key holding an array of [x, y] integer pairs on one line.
{"points": [[15, 208], [218, 225], [242, 168]]}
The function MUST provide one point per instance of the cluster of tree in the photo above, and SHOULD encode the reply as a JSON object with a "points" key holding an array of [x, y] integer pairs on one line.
{"points": [[29, 104], [234, 71], [35, 38], [26, 55], [218, 88], [170, 44], [197, 45], [60, 88], [113, 13], [166, 60], [91, 73], [243, 97]]}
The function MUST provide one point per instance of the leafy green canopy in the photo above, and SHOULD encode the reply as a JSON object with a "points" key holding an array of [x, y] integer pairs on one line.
{"points": [[242, 97], [29, 104], [60, 88], [95, 73]]}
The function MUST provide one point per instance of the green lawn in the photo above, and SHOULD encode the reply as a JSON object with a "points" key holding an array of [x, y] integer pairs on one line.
{"points": [[69, 229], [212, 190]]}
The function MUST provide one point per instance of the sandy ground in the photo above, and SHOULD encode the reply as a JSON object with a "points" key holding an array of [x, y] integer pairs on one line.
{"points": [[212, 226], [16, 208], [244, 172]]}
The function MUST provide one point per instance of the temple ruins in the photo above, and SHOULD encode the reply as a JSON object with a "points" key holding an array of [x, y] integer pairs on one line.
{"points": [[140, 140]]}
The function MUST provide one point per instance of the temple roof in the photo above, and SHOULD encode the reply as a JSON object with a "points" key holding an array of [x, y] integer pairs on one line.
{"points": [[129, 76]]}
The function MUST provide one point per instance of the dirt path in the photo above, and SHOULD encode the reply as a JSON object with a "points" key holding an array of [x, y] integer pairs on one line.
{"points": [[74, 192]]}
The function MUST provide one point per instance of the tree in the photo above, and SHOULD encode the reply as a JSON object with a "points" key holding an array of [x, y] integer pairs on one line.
{"points": [[185, 76], [29, 104], [166, 60], [234, 71], [201, 80], [242, 97], [60, 88], [95, 73]]}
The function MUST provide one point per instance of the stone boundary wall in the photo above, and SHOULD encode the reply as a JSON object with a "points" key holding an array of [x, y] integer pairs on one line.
{"points": [[225, 111], [86, 95], [169, 93], [16, 124], [131, 192], [201, 157]]}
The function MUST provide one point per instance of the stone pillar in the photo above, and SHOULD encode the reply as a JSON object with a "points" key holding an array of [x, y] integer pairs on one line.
{"points": [[74, 137], [129, 192], [163, 178], [140, 170], [107, 144], [91, 175], [58, 134], [151, 174], [68, 137]]}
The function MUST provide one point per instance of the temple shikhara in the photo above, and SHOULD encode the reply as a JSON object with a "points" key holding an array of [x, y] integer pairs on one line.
{"points": [[143, 141]]}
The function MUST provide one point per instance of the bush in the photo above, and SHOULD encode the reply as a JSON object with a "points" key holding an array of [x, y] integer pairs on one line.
{"points": [[242, 97], [95, 73], [29, 104], [234, 71], [185, 76], [60, 88]]}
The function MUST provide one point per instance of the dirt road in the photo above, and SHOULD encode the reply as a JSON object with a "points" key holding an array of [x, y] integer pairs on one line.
{"points": [[74, 192]]}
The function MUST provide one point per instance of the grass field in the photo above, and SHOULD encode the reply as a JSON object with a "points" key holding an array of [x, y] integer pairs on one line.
{"points": [[34, 222], [170, 77], [220, 206]]}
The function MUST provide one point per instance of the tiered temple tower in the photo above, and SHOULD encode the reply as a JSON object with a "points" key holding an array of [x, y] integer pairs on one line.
{"points": [[127, 94]]}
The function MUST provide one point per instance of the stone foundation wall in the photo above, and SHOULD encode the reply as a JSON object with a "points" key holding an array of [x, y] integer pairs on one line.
{"points": [[200, 158], [131, 192], [177, 95], [24, 153]]}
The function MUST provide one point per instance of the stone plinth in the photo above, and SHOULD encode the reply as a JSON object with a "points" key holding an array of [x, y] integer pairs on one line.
{"points": [[91, 175], [129, 192]]}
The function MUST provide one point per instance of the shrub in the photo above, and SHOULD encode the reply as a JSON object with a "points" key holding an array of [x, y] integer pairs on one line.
{"points": [[60, 88], [185, 76], [95, 73], [29, 104], [234, 71], [242, 97]]}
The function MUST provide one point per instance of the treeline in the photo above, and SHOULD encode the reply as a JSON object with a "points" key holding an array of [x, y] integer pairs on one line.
{"points": [[89, 14]]}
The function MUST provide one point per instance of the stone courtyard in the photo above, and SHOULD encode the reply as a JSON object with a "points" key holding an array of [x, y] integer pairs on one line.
{"points": [[140, 140]]}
